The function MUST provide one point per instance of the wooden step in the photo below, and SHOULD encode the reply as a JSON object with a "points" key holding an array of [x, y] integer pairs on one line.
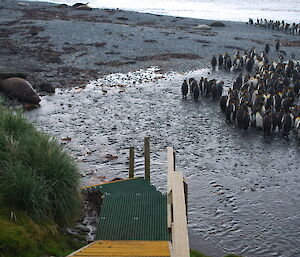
{"points": [[104, 248]]}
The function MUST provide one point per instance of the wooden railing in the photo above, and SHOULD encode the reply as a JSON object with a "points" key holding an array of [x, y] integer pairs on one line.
{"points": [[177, 209]]}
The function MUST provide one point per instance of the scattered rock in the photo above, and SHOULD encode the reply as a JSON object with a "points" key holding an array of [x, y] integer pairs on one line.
{"points": [[217, 24], [22, 4], [47, 87], [111, 157], [203, 27], [66, 139], [20, 89], [82, 229], [122, 18], [116, 179]]}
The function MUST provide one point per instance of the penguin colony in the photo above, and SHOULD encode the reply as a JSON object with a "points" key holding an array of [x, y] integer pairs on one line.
{"points": [[293, 29], [264, 97]]}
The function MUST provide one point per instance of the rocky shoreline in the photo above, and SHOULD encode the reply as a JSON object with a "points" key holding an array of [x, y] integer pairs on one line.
{"points": [[68, 47]]}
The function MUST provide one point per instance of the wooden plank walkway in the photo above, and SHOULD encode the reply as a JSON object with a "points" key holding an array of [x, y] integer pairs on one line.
{"points": [[104, 248], [133, 212]]}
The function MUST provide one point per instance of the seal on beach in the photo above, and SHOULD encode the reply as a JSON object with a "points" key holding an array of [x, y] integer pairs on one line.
{"points": [[81, 6], [20, 89], [217, 24], [203, 27]]}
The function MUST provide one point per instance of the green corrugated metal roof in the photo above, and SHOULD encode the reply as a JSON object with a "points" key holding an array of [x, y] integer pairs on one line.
{"points": [[133, 217], [132, 186]]}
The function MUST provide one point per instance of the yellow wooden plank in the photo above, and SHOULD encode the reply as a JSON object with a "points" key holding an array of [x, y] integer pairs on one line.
{"points": [[120, 255], [123, 254], [119, 249], [126, 248], [109, 182], [117, 255]]}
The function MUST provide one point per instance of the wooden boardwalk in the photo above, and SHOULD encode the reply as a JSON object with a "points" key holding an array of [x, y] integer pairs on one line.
{"points": [[137, 220]]}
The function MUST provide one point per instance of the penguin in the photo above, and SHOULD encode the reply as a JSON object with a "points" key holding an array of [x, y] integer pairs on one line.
{"points": [[286, 124], [286, 103], [275, 120], [184, 89], [297, 87], [230, 112], [214, 62], [297, 126], [277, 45], [201, 86], [193, 84], [277, 101], [246, 120], [249, 64], [220, 59], [268, 101], [258, 120], [223, 102], [208, 88], [228, 63], [267, 123], [196, 93], [239, 117], [220, 89], [267, 48], [214, 91]]}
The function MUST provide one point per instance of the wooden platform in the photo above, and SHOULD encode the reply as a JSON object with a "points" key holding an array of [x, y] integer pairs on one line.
{"points": [[103, 248]]}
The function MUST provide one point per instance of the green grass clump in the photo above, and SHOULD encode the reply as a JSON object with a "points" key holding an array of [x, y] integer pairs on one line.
{"points": [[36, 175], [20, 236], [194, 253]]}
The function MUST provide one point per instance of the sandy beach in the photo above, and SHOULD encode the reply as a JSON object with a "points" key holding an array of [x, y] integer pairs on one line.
{"points": [[68, 47]]}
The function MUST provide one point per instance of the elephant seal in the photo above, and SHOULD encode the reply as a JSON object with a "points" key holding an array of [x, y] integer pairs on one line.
{"points": [[203, 27], [81, 6], [217, 24], [20, 89]]}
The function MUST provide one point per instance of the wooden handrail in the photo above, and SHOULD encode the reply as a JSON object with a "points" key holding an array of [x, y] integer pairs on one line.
{"points": [[177, 218]]}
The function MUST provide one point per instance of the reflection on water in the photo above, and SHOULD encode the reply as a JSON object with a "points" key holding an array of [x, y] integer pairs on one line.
{"points": [[243, 188]]}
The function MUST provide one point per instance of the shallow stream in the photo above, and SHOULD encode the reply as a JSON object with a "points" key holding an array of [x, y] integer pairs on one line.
{"points": [[243, 188]]}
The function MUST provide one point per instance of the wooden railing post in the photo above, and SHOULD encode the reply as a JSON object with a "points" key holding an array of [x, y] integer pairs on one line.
{"points": [[147, 158], [180, 239], [177, 208], [131, 162], [171, 167]]}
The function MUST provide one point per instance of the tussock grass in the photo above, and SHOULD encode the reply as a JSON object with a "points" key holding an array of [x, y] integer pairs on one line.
{"points": [[36, 175], [22, 237]]}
